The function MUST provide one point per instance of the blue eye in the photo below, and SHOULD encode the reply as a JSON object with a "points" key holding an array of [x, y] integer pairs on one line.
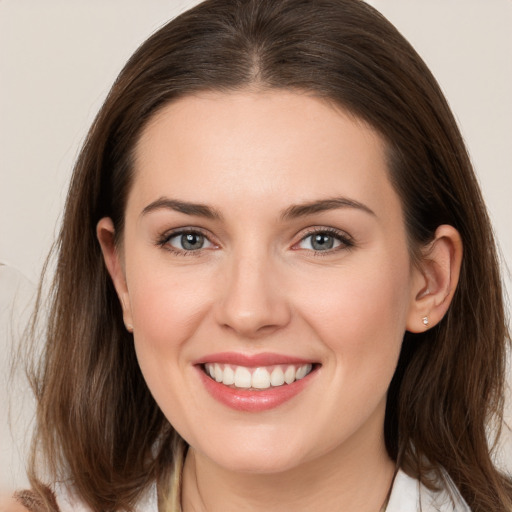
{"points": [[189, 241], [323, 241]]}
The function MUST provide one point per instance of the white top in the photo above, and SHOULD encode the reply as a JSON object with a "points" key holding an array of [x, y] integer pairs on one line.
{"points": [[407, 495]]}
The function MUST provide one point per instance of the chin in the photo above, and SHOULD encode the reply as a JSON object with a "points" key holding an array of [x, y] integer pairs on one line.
{"points": [[261, 464], [263, 456]]}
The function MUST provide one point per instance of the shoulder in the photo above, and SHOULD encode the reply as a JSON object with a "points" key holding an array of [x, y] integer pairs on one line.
{"points": [[45, 500], [27, 501], [409, 494], [61, 498], [10, 504]]}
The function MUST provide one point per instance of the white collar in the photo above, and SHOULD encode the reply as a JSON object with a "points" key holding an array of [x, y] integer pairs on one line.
{"points": [[409, 495]]}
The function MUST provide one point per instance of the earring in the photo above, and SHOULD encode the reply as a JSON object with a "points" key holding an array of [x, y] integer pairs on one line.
{"points": [[425, 321]]}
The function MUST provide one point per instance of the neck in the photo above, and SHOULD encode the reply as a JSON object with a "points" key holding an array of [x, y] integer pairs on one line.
{"points": [[354, 477]]}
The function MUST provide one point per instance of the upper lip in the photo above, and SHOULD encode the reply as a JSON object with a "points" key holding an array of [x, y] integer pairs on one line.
{"points": [[251, 360]]}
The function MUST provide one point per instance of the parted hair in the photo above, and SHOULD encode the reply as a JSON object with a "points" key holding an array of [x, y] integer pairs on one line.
{"points": [[98, 427]]}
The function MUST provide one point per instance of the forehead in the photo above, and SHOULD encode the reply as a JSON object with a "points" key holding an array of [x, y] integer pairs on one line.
{"points": [[272, 145]]}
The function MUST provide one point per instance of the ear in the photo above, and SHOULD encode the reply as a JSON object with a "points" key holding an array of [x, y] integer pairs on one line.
{"points": [[105, 232], [435, 280]]}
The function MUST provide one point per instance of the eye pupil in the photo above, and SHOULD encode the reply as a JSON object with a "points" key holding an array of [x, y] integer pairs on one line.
{"points": [[322, 242], [191, 241]]}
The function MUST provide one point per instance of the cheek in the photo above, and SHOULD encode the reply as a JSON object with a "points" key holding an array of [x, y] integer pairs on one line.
{"points": [[167, 308], [360, 312], [167, 305]]}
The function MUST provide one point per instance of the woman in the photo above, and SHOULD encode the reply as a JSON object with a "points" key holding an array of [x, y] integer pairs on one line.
{"points": [[269, 291]]}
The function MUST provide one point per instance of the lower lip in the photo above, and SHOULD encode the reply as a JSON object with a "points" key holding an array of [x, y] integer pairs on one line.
{"points": [[249, 400]]}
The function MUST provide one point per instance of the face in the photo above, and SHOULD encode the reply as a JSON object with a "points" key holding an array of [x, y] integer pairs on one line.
{"points": [[265, 270]]}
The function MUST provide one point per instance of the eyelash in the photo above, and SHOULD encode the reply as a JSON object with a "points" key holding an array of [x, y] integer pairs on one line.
{"points": [[163, 241], [346, 241]]}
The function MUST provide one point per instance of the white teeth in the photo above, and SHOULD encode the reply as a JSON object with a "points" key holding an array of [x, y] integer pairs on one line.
{"points": [[277, 376], [260, 379], [303, 371], [229, 376], [289, 375], [218, 373], [257, 378], [242, 377]]}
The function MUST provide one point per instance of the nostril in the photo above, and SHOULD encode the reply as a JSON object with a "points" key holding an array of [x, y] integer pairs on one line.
{"points": [[252, 305]]}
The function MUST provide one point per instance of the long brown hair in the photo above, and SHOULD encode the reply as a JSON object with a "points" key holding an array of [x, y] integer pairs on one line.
{"points": [[97, 423]]}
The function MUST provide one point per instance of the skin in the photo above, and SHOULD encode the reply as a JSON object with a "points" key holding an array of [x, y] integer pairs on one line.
{"points": [[258, 286], [9, 504]]}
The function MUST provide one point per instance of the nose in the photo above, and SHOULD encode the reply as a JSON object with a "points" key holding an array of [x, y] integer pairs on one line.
{"points": [[253, 301]]}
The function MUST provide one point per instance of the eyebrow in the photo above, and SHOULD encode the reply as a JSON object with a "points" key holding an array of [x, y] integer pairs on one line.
{"points": [[292, 212], [302, 210], [197, 209]]}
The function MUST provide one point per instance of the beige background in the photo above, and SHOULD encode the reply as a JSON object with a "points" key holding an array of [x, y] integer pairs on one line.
{"points": [[58, 59]]}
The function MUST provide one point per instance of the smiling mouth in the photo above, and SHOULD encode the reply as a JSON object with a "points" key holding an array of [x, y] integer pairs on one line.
{"points": [[257, 378]]}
